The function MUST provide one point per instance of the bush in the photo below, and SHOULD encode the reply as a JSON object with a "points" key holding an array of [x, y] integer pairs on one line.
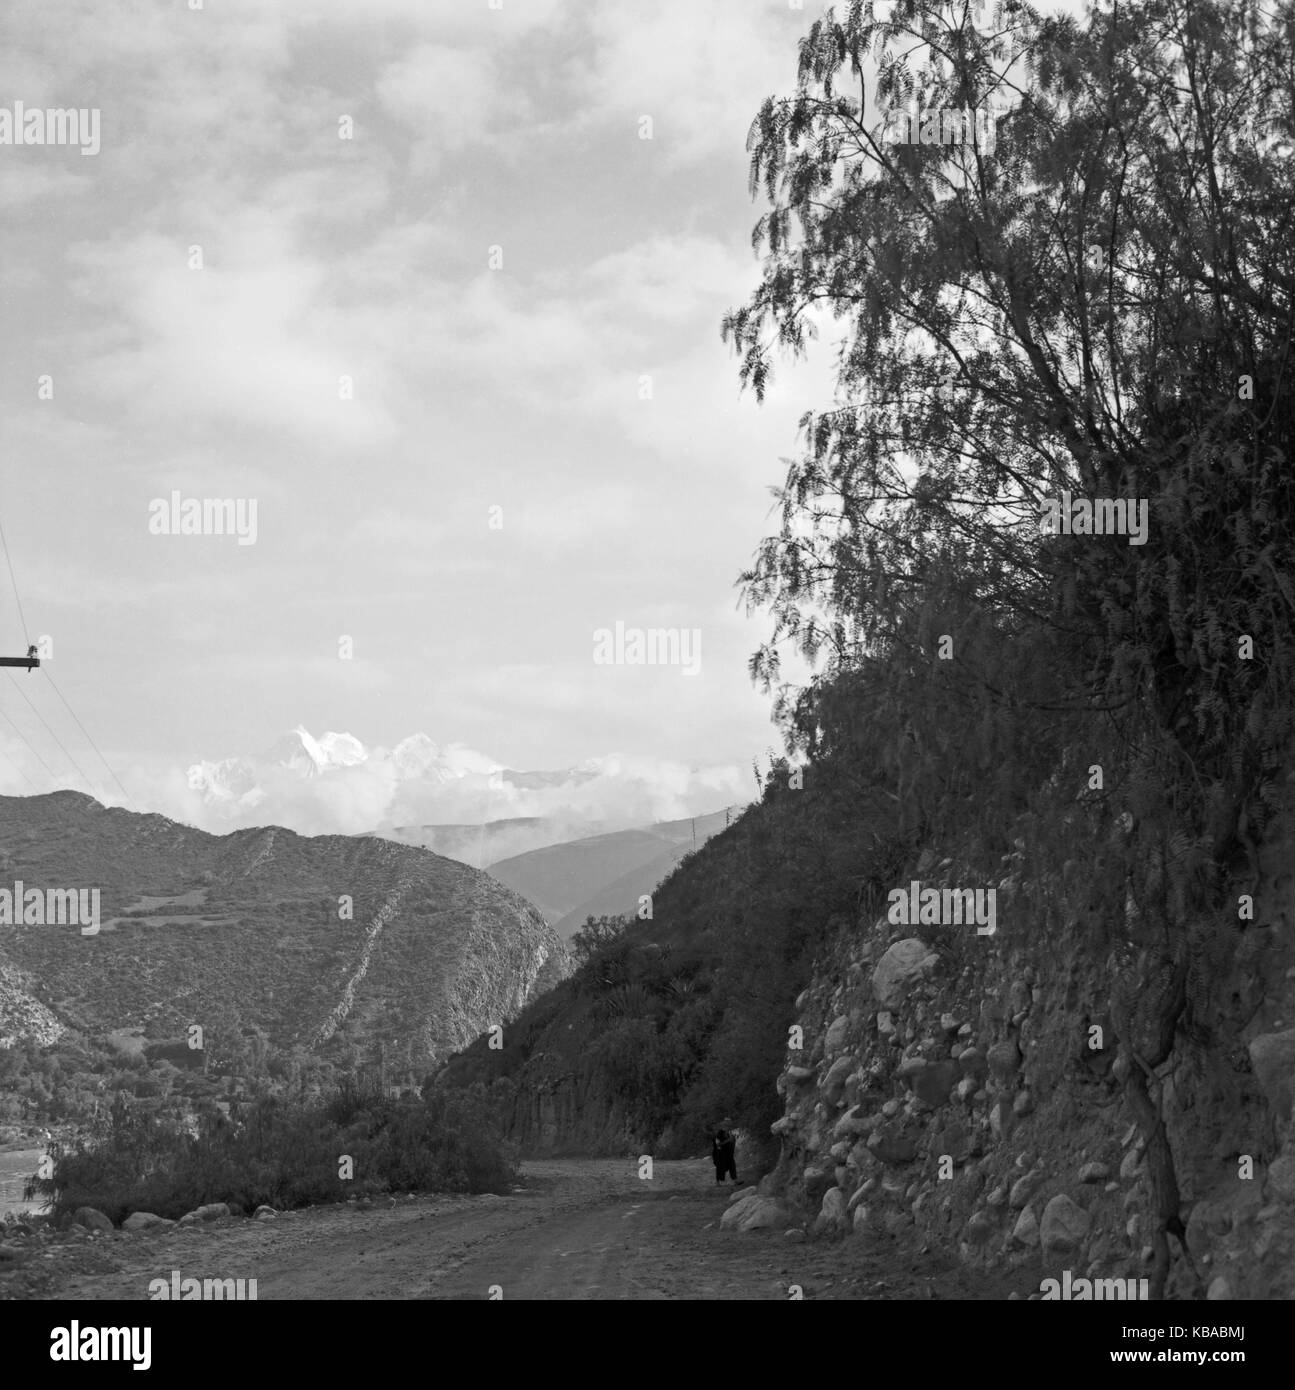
{"points": [[284, 1155]]}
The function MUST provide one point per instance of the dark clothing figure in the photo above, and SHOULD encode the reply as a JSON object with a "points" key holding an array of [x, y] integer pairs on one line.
{"points": [[723, 1150]]}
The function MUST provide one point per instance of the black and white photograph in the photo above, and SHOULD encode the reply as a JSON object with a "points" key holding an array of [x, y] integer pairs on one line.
{"points": [[647, 653]]}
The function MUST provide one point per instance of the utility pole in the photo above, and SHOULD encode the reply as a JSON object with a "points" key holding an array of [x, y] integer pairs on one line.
{"points": [[30, 661]]}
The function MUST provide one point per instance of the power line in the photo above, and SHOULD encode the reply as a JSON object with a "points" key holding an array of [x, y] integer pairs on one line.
{"points": [[21, 618], [88, 739], [22, 774], [52, 735], [30, 749]]}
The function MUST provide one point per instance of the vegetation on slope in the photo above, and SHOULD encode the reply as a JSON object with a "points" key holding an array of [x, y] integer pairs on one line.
{"points": [[1102, 310]]}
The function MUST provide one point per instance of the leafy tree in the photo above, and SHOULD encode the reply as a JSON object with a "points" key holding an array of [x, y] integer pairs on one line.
{"points": [[596, 935]]}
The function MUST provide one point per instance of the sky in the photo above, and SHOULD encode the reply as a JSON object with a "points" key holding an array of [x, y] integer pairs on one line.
{"points": [[466, 362]]}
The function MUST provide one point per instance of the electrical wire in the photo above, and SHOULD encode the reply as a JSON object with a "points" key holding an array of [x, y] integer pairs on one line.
{"points": [[88, 739], [53, 735]]}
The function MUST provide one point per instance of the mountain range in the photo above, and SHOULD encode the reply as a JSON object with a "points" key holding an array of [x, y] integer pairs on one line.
{"points": [[604, 875], [322, 943]]}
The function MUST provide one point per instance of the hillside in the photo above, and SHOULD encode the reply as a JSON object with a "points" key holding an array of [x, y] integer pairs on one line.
{"points": [[242, 931], [603, 875]]}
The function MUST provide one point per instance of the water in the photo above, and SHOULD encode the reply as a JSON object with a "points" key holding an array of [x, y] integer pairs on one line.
{"points": [[16, 1166]]}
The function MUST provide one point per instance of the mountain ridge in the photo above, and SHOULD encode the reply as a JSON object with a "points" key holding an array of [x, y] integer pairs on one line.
{"points": [[263, 929]]}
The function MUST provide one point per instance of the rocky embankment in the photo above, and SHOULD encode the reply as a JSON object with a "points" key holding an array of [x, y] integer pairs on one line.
{"points": [[973, 1087]]}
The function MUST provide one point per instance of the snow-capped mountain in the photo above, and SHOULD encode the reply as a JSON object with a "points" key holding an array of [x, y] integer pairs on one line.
{"points": [[336, 784]]}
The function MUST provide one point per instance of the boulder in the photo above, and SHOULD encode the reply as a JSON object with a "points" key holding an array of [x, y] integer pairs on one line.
{"points": [[1094, 1172], [971, 1063], [264, 1213], [852, 1124], [833, 1082], [1025, 1234], [831, 1218], [980, 1228], [145, 1221], [1003, 1059], [1065, 1224], [904, 965], [756, 1213], [817, 1181], [1025, 1188], [91, 1219], [834, 1039], [212, 1211], [1272, 1058]]}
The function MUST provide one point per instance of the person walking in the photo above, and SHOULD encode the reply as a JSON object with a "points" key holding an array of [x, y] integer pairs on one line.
{"points": [[723, 1151]]}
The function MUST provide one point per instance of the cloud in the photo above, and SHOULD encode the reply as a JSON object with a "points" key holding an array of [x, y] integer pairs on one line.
{"points": [[419, 783]]}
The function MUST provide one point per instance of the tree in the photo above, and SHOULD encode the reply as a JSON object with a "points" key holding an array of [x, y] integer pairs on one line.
{"points": [[1096, 304], [1101, 306], [596, 935]]}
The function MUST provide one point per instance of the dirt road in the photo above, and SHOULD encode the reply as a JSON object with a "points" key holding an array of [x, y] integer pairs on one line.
{"points": [[575, 1229]]}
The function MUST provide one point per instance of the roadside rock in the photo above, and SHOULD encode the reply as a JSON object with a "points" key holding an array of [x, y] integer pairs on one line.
{"points": [[832, 1217], [92, 1219], [139, 1221], [755, 1213]]}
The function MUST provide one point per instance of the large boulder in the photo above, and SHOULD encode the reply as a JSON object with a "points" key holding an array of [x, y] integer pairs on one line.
{"points": [[834, 1039], [972, 1063], [904, 965], [752, 1212], [832, 1217], [817, 1181], [1272, 1058], [1064, 1226], [92, 1219], [852, 1124], [1025, 1234], [140, 1221], [833, 1082], [1004, 1058]]}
